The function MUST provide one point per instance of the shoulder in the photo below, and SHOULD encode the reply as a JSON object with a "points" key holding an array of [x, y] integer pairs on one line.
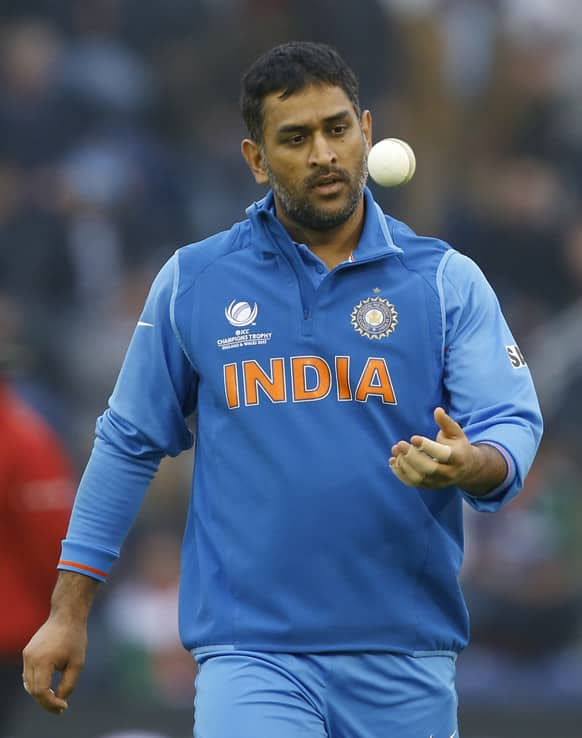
{"points": [[434, 258], [188, 263], [423, 255], [416, 249], [195, 258]]}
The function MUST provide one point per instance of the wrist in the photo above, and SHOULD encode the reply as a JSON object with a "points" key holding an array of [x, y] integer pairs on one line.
{"points": [[72, 598], [487, 470]]}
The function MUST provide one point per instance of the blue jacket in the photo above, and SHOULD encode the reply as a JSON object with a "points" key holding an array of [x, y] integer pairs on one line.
{"points": [[299, 537]]}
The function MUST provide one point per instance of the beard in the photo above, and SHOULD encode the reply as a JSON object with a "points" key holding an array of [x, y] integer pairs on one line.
{"points": [[297, 205]]}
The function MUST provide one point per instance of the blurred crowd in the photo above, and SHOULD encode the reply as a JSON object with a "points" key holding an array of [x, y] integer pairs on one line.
{"points": [[119, 142]]}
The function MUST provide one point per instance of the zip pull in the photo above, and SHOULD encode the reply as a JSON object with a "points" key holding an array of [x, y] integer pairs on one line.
{"points": [[307, 323]]}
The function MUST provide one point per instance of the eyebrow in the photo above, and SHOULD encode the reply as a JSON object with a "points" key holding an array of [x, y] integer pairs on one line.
{"points": [[330, 120]]}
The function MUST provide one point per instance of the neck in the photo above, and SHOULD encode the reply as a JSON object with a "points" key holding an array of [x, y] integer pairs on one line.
{"points": [[332, 246]]}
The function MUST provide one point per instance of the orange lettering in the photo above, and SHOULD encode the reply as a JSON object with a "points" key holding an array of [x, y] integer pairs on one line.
{"points": [[299, 367], [311, 379], [342, 370], [273, 386], [375, 380], [231, 386]]}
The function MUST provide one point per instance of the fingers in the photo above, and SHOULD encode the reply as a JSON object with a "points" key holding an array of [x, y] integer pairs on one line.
{"points": [[410, 472], [58, 646], [422, 463], [433, 464], [398, 472], [25, 683], [419, 462], [68, 681], [37, 682], [26, 675], [448, 426], [411, 465], [50, 702], [438, 451]]}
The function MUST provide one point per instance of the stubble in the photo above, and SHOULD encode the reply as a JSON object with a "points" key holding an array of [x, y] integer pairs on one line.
{"points": [[298, 206]]}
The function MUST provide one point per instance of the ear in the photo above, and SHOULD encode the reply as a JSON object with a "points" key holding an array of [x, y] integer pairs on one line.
{"points": [[366, 124], [254, 158]]}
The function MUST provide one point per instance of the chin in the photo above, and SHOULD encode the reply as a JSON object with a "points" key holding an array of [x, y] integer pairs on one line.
{"points": [[327, 219]]}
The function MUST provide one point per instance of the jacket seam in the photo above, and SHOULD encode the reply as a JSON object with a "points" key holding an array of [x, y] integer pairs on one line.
{"points": [[173, 322], [440, 277], [424, 278], [234, 237]]}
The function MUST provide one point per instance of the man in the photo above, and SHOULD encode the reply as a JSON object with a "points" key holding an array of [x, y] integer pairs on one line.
{"points": [[319, 590]]}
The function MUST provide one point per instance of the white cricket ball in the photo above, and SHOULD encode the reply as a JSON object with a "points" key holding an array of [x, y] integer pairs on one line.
{"points": [[391, 162]]}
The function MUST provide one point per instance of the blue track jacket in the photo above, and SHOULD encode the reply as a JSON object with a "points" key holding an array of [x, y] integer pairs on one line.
{"points": [[299, 538]]}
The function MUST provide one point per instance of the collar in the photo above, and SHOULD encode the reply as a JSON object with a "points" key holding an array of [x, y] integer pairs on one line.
{"points": [[375, 241]]}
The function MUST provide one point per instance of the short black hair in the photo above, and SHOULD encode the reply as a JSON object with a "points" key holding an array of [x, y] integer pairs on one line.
{"points": [[290, 68]]}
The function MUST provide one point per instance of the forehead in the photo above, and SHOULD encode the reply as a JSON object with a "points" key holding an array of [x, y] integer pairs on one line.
{"points": [[307, 107]]}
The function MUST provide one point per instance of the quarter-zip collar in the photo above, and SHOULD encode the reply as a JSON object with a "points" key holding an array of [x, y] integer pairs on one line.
{"points": [[376, 240]]}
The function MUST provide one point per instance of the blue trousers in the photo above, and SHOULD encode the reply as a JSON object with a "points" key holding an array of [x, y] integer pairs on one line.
{"points": [[244, 694]]}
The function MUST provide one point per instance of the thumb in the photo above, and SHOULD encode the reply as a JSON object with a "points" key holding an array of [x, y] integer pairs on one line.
{"points": [[449, 427], [68, 680]]}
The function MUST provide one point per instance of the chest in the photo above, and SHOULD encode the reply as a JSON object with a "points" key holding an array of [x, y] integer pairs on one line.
{"points": [[267, 334]]}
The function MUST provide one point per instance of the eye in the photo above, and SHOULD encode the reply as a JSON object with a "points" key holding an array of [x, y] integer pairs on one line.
{"points": [[296, 140], [339, 130]]}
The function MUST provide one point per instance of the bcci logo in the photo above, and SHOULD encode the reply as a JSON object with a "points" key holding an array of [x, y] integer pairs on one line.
{"points": [[240, 314], [374, 317]]}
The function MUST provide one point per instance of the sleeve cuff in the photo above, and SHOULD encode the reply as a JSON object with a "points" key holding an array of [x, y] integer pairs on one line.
{"points": [[509, 465], [494, 499], [83, 559]]}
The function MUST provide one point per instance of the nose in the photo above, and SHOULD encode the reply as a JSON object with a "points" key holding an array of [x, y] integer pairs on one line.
{"points": [[321, 153]]}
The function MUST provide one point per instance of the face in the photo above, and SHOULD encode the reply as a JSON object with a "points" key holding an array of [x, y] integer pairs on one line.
{"points": [[313, 156]]}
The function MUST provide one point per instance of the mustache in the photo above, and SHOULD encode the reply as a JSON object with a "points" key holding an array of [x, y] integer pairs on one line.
{"points": [[340, 174]]}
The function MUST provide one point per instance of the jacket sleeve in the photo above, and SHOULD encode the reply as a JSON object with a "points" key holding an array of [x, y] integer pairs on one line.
{"points": [[145, 420], [489, 387]]}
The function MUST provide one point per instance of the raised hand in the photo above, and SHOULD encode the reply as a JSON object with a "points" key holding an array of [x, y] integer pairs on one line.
{"points": [[450, 460]]}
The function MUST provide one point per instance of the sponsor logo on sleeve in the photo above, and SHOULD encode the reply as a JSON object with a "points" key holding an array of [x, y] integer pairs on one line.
{"points": [[515, 356]]}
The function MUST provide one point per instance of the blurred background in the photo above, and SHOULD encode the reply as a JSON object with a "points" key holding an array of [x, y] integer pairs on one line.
{"points": [[119, 142]]}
